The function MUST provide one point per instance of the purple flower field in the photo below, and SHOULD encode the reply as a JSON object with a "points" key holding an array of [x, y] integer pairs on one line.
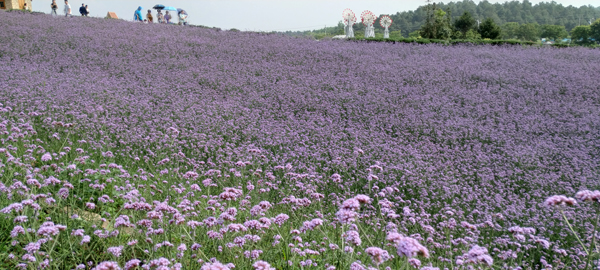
{"points": [[134, 146]]}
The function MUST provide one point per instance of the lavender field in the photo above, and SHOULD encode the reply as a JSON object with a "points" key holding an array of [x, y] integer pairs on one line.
{"points": [[133, 146]]}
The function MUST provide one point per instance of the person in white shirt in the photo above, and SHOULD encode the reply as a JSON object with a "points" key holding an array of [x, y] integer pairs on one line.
{"points": [[67, 9]]}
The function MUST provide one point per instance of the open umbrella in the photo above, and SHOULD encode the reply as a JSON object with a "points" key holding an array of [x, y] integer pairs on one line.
{"points": [[179, 11], [158, 7], [169, 9]]}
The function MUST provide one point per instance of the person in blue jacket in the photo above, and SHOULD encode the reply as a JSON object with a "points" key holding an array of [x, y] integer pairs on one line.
{"points": [[137, 16]]}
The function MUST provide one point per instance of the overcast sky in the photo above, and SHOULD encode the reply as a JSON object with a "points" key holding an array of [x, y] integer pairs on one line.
{"points": [[260, 15]]}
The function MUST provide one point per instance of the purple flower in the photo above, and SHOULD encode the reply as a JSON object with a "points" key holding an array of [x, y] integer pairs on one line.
{"points": [[357, 266], [17, 207], [115, 251], [262, 265], [131, 264], [352, 237], [123, 221], [46, 157], [78, 232], [410, 247], [559, 200], [351, 205], [346, 216], [49, 229], [230, 194], [16, 231], [90, 205], [85, 239], [280, 219], [587, 195], [362, 198], [214, 266], [478, 255], [378, 255], [107, 266], [64, 193]]}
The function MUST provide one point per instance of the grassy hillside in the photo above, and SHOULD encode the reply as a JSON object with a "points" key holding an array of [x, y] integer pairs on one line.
{"points": [[126, 145]]}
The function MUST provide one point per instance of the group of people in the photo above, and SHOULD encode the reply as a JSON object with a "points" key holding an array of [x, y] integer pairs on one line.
{"points": [[137, 16], [83, 10], [160, 18]]}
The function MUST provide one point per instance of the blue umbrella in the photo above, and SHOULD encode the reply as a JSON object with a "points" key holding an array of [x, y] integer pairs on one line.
{"points": [[170, 9], [158, 7]]}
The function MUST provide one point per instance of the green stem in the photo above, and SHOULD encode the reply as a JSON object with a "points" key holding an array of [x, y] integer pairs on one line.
{"points": [[593, 241], [67, 137], [573, 231], [365, 234], [53, 245]]}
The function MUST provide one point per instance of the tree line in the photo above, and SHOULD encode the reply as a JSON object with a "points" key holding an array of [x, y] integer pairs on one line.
{"points": [[468, 20], [440, 25], [544, 13]]}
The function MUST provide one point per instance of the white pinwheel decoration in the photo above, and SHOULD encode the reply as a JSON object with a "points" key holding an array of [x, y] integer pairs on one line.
{"points": [[368, 19], [349, 20], [385, 21]]}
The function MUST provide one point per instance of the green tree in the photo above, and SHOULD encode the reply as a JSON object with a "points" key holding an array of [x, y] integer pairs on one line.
{"points": [[438, 26], [396, 34], [554, 32], [581, 34], [510, 30], [472, 34], [595, 30], [489, 29], [465, 23], [415, 34], [520, 12], [529, 31]]}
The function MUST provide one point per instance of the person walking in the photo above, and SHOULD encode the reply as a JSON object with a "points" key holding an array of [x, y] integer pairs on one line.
{"points": [[182, 17], [67, 9], [159, 17], [137, 16], [149, 16], [54, 7], [167, 17], [82, 10]]}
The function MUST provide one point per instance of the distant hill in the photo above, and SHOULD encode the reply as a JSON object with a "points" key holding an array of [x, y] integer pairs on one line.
{"points": [[513, 11]]}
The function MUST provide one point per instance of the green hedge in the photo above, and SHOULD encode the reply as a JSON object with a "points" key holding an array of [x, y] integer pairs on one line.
{"points": [[446, 42]]}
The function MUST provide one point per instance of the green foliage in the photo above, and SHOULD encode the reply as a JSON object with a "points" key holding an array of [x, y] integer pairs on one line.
{"points": [[446, 42], [437, 25], [529, 31], [415, 34], [465, 23], [509, 15], [396, 34], [472, 34], [581, 34], [595, 30], [510, 30], [489, 29], [554, 32], [326, 32], [521, 12]]}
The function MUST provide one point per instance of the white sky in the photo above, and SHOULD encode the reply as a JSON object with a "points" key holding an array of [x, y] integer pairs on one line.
{"points": [[260, 15]]}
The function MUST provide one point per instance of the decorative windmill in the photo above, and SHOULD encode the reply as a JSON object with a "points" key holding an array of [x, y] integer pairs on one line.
{"points": [[385, 22], [349, 20], [368, 19]]}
